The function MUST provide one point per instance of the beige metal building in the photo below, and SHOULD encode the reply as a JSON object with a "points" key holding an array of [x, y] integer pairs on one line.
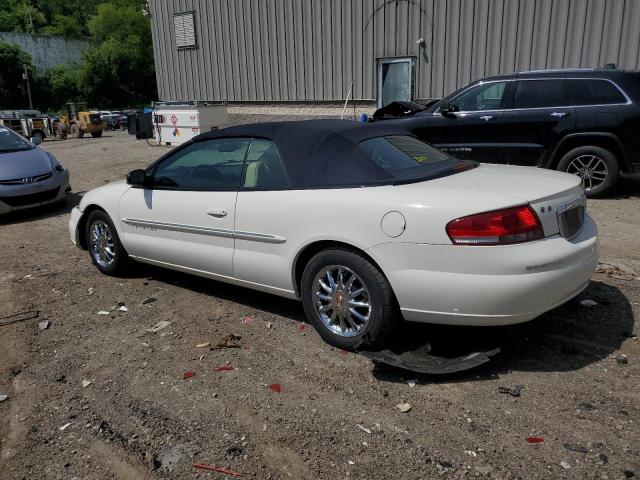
{"points": [[312, 50]]}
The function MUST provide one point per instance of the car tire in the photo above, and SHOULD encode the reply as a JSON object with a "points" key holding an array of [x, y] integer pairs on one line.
{"points": [[96, 134], [338, 326], [599, 164], [106, 252]]}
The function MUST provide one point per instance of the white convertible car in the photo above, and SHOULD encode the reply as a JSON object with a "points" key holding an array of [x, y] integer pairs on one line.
{"points": [[365, 224]]}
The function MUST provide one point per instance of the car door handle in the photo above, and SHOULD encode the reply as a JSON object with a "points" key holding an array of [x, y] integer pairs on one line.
{"points": [[559, 114], [217, 212], [486, 118]]}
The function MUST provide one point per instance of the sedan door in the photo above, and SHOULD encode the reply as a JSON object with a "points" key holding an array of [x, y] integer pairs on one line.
{"points": [[186, 217], [471, 126], [542, 114]]}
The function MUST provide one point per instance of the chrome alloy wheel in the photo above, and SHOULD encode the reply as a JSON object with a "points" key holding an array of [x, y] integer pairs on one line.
{"points": [[103, 248], [591, 168], [341, 300]]}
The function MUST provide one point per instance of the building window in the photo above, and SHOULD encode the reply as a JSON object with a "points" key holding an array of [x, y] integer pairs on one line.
{"points": [[184, 30]]}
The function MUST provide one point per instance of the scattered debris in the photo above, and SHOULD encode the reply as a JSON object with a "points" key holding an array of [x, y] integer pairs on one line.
{"points": [[616, 270], [575, 448], [535, 440], [629, 474], [44, 325], [123, 309], [158, 326], [230, 341], [403, 407], [269, 324], [170, 458], [472, 453], [364, 429], [603, 459], [223, 368], [203, 345], [420, 360], [3, 397], [235, 451], [19, 317], [588, 303], [565, 465], [514, 391], [65, 426], [587, 407], [248, 320], [275, 387], [622, 359], [412, 383], [188, 374], [103, 312], [226, 471], [149, 300], [302, 326], [351, 462], [86, 383]]}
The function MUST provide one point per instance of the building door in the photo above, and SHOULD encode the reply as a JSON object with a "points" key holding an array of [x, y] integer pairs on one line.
{"points": [[395, 80]]}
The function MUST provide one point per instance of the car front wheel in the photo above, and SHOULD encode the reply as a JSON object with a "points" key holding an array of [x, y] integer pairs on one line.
{"points": [[103, 243], [596, 166], [347, 299]]}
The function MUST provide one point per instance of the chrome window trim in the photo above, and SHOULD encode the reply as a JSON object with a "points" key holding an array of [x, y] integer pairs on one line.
{"points": [[214, 232], [483, 82]]}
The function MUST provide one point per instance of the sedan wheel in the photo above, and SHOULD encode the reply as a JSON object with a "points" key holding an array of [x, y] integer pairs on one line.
{"points": [[103, 243], [102, 246], [343, 302], [348, 299]]}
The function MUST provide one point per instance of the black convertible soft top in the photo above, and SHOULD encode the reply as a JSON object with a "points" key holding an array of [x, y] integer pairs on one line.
{"points": [[321, 153]]}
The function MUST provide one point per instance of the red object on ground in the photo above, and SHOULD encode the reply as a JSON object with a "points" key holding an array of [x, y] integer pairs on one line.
{"points": [[188, 375], [275, 387], [223, 368], [343, 351], [248, 320], [226, 471], [535, 440], [301, 327]]}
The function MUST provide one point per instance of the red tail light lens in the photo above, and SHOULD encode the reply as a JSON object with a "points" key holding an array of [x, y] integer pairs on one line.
{"points": [[500, 227]]}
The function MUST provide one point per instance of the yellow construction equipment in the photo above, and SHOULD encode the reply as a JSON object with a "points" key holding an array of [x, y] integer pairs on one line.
{"points": [[79, 121]]}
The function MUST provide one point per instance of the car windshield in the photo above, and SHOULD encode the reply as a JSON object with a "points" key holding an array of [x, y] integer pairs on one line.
{"points": [[12, 142], [407, 158]]}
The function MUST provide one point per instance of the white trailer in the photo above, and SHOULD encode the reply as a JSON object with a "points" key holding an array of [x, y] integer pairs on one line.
{"points": [[178, 122]]}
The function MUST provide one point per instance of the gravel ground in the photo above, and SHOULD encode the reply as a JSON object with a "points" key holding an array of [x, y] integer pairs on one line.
{"points": [[336, 415]]}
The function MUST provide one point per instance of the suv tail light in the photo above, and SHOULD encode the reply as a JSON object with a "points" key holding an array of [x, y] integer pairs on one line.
{"points": [[500, 227]]}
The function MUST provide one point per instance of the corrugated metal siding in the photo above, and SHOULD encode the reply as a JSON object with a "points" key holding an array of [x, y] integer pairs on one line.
{"points": [[295, 50]]}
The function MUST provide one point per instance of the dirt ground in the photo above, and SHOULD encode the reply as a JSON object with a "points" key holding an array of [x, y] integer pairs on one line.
{"points": [[336, 415]]}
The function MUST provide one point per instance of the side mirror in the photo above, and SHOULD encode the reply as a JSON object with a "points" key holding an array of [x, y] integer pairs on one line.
{"points": [[37, 140], [138, 178], [448, 110]]}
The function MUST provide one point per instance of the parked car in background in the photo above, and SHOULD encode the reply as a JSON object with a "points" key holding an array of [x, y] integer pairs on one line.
{"points": [[29, 176], [124, 120], [585, 122], [364, 223], [112, 121]]}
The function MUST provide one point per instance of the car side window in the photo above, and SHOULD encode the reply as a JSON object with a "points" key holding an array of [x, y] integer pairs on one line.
{"points": [[594, 92], [487, 96], [263, 167], [207, 165], [542, 93]]}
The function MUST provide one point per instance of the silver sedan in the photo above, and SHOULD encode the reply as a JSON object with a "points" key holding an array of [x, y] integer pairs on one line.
{"points": [[29, 176]]}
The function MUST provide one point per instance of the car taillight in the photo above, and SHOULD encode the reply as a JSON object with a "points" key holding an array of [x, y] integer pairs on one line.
{"points": [[500, 227]]}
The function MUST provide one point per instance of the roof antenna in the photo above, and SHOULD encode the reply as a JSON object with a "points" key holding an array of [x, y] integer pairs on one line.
{"points": [[344, 110]]}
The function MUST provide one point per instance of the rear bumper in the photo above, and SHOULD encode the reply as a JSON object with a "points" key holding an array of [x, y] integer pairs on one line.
{"points": [[463, 285], [21, 197]]}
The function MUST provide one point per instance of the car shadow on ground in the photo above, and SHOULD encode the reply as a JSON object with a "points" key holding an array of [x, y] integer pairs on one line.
{"points": [[567, 338], [628, 187], [43, 211]]}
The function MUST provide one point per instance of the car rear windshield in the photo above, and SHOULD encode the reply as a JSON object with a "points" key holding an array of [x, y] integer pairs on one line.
{"points": [[11, 142], [407, 158]]}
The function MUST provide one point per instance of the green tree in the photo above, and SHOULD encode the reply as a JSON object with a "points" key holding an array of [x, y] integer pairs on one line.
{"points": [[13, 88], [119, 70]]}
